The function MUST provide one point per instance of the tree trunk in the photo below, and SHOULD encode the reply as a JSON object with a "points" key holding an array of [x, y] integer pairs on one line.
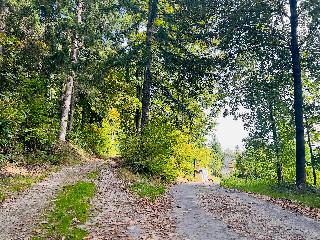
{"points": [[298, 99], [146, 91], [70, 81], [73, 102], [138, 112], [276, 146], [314, 173], [311, 154], [66, 108], [182, 100], [3, 14]]}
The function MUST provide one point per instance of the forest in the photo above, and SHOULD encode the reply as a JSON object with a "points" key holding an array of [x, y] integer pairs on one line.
{"points": [[145, 81]]}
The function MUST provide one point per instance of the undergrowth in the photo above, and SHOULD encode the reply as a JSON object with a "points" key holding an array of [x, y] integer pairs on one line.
{"points": [[310, 197], [142, 185], [71, 209]]}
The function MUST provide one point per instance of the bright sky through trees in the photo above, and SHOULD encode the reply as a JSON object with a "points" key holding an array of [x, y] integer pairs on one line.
{"points": [[230, 132]]}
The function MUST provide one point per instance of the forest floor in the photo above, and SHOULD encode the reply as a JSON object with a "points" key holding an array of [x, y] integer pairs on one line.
{"points": [[21, 214], [189, 211]]}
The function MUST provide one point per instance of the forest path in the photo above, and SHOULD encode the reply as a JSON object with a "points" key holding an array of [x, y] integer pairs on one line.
{"points": [[189, 211], [18, 216], [119, 214], [193, 222], [208, 211]]}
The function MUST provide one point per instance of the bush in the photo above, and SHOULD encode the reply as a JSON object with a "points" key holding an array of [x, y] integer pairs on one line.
{"points": [[163, 151], [150, 152], [29, 119], [10, 120], [95, 139]]}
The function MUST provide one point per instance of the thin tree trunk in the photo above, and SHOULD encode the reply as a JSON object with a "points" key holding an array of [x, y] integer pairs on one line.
{"points": [[311, 154], [298, 99], [138, 112], [146, 91], [70, 81], [314, 173], [66, 108], [182, 100], [276, 146], [71, 114], [3, 14]]}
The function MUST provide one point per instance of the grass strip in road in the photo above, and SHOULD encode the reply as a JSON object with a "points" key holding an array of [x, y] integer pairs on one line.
{"points": [[93, 175], [71, 209], [310, 197], [10, 185], [142, 185], [148, 190]]}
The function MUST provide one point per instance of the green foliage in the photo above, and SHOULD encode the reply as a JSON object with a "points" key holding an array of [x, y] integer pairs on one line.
{"points": [[150, 152], [95, 139], [164, 151], [148, 190], [206, 54], [2, 197], [259, 159], [99, 138], [10, 120], [27, 120], [36, 43], [255, 163], [71, 208], [311, 197], [217, 157]]}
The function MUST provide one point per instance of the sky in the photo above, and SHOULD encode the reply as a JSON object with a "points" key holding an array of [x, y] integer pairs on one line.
{"points": [[230, 132]]}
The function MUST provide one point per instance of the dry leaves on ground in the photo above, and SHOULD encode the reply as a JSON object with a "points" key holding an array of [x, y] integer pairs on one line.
{"points": [[256, 218], [118, 214]]}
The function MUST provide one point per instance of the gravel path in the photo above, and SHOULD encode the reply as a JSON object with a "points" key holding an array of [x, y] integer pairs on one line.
{"points": [[118, 214], [193, 222], [212, 212], [19, 216], [190, 211]]}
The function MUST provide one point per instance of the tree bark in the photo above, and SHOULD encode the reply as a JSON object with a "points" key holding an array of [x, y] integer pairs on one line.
{"points": [[298, 98], [146, 90], [3, 14], [276, 146], [71, 114], [66, 108], [70, 81], [138, 112]]}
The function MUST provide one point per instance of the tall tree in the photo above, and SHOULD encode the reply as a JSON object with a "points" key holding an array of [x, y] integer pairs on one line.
{"points": [[67, 95], [146, 90], [298, 98]]}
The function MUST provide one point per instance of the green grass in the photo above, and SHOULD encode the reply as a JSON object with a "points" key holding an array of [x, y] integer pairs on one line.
{"points": [[71, 209], [93, 175], [142, 185], [148, 190], [310, 197], [18, 183], [2, 196]]}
